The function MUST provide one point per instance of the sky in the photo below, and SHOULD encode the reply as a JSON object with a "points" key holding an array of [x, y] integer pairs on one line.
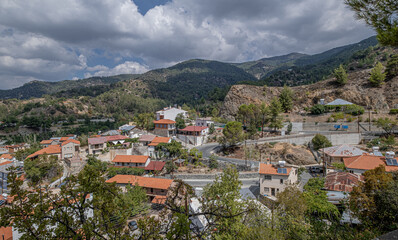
{"points": [[72, 39]]}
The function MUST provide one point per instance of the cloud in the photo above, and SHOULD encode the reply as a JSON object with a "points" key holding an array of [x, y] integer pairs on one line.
{"points": [[88, 36], [124, 68]]}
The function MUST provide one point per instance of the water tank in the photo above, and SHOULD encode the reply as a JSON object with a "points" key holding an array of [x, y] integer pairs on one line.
{"points": [[390, 155], [375, 148], [322, 101], [281, 163]]}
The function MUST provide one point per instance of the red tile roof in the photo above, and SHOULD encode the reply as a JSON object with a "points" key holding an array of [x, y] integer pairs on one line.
{"points": [[367, 162], [146, 182], [130, 158], [6, 233], [6, 156], [115, 138], [5, 163], [159, 199], [52, 149], [164, 121], [193, 129], [47, 141], [270, 169], [158, 140], [63, 139], [155, 166], [70, 141], [342, 181], [96, 140], [146, 138]]}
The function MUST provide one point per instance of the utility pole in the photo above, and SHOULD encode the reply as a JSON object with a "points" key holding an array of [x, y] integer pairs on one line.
{"points": [[369, 108]]}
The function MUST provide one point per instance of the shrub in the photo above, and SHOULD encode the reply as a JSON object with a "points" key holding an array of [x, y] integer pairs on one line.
{"points": [[318, 109], [394, 111], [354, 110], [320, 141]]}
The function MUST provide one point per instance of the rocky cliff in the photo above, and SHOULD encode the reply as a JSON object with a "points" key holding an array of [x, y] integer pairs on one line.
{"points": [[357, 90]]}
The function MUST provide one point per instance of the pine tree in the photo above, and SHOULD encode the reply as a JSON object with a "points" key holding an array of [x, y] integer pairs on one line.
{"points": [[286, 98], [340, 75], [392, 67], [377, 76]]}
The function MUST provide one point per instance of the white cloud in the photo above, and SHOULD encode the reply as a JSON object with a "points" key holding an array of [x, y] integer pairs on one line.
{"points": [[64, 35], [124, 68]]}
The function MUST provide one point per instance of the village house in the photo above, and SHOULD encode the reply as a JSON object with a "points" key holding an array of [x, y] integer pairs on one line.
{"points": [[337, 153], [275, 177], [52, 150], [131, 161], [170, 113], [4, 171], [153, 186], [98, 144], [6, 157], [204, 122], [127, 130], [156, 141], [365, 162], [165, 127], [69, 148], [194, 135], [342, 181], [47, 143], [15, 148], [144, 140]]}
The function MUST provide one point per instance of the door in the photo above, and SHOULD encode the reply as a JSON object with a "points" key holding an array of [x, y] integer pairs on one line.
{"points": [[273, 191]]}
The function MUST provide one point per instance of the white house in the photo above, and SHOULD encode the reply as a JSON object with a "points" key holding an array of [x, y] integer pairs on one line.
{"points": [[170, 113], [204, 122], [275, 177], [194, 135]]}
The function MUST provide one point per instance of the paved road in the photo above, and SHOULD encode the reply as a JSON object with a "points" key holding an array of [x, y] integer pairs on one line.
{"points": [[209, 148]]}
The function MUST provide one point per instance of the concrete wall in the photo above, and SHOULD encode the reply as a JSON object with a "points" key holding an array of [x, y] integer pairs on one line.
{"points": [[336, 138]]}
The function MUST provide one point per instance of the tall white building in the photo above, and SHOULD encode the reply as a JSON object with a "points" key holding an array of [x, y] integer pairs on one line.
{"points": [[170, 113]]}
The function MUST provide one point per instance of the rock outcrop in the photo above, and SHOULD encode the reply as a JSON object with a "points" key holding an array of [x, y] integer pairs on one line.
{"points": [[357, 90]]}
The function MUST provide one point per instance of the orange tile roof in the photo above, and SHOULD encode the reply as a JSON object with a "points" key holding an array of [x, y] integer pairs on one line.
{"points": [[6, 156], [161, 140], [52, 149], [71, 140], [367, 162], [146, 182], [159, 199], [63, 139], [47, 141], [164, 121], [5, 163], [130, 158], [272, 170], [6, 232]]}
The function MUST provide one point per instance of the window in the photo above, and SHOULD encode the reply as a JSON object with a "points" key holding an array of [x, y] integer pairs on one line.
{"points": [[266, 189], [267, 177], [281, 181]]}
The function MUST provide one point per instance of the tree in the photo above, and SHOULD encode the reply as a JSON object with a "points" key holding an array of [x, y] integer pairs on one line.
{"points": [[377, 76], [381, 15], [180, 121], [144, 120], [320, 141], [213, 162], [42, 168], [264, 112], [232, 134], [340, 75], [275, 121], [392, 67], [211, 128], [365, 197], [286, 99], [86, 207], [387, 124]]}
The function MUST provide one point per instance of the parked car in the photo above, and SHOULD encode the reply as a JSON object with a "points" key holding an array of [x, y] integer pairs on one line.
{"points": [[2, 202], [133, 225], [316, 169]]}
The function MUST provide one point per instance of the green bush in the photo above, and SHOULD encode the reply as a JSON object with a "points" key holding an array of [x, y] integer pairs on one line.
{"points": [[318, 109], [394, 111], [320, 141], [354, 110]]}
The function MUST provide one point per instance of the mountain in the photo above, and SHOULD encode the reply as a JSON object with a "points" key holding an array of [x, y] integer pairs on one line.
{"points": [[40, 88], [262, 67], [313, 68]]}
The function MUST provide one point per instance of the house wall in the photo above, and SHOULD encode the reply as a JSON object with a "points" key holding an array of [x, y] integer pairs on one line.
{"points": [[171, 114], [193, 140], [356, 171], [149, 191], [203, 123], [96, 148], [68, 150], [164, 132], [275, 182], [120, 164]]}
